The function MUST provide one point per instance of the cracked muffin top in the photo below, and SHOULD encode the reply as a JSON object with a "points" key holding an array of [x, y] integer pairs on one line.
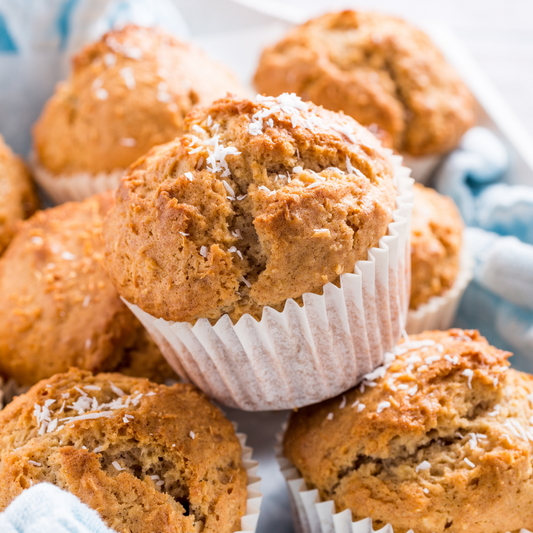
{"points": [[436, 239], [59, 307], [147, 458], [380, 70], [259, 201], [127, 92], [438, 440], [17, 196]]}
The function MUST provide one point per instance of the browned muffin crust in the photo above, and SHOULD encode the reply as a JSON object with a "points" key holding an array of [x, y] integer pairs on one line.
{"points": [[59, 307], [436, 240], [128, 92], [17, 195], [147, 458], [440, 443], [378, 69], [283, 214]]}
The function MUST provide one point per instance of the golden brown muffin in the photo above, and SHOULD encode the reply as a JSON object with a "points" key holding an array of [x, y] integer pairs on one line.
{"points": [[439, 440], [436, 240], [260, 201], [127, 92], [378, 69], [17, 196], [59, 307], [147, 458]]}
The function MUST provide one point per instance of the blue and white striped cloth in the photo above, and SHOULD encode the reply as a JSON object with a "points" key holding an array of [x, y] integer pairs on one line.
{"points": [[499, 301]]}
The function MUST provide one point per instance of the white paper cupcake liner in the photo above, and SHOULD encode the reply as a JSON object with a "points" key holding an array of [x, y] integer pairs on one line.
{"points": [[312, 515], [439, 312], [254, 496], [422, 167], [74, 187], [306, 354]]}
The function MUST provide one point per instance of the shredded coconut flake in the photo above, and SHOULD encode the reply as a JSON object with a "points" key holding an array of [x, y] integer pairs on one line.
{"points": [[34, 463], [203, 251], [117, 465], [469, 462], [101, 94], [469, 373], [330, 416], [343, 402], [118, 391], [128, 77], [192, 434], [189, 176], [424, 465], [382, 406]]}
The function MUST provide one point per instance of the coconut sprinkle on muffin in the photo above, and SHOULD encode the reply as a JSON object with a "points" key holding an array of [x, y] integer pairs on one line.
{"points": [[439, 439]]}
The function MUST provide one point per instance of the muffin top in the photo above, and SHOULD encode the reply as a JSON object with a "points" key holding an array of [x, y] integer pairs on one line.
{"points": [[438, 440], [436, 240], [17, 196], [127, 92], [59, 307], [259, 201], [148, 458], [380, 70]]}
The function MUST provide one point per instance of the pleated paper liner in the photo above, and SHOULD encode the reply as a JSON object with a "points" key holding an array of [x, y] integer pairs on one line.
{"points": [[422, 167], [74, 187], [254, 496], [306, 354], [439, 312], [309, 513]]}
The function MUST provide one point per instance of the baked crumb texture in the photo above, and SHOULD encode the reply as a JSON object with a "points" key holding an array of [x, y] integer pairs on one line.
{"points": [[148, 458], [127, 92], [438, 440], [436, 240], [380, 70], [17, 195], [259, 201], [59, 307]]}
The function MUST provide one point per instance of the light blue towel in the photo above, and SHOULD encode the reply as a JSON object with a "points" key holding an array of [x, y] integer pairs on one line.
{"points": [[46, 509], [499, 301]]}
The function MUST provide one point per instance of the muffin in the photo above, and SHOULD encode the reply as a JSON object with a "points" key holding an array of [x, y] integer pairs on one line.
{"points": [[436, 240], [148, 458], [378, 69], [59, 307], [438, 440], [257, 204], [440, 269], [17, 196], [127, 92]]}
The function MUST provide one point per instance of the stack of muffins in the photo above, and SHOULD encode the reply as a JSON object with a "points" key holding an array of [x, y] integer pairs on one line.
{"points": [[261, 249]]}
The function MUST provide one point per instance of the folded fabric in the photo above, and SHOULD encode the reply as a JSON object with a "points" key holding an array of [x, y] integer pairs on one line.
{"points": [[46, 509], [37, 39], [499, 301]]}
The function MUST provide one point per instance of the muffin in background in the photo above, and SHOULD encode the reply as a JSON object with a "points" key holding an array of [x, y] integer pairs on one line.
{"points": [[436, 241], [378, 69], [59, 307], [437, 440], [17, 196], [127, 92], [148, 458]]}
